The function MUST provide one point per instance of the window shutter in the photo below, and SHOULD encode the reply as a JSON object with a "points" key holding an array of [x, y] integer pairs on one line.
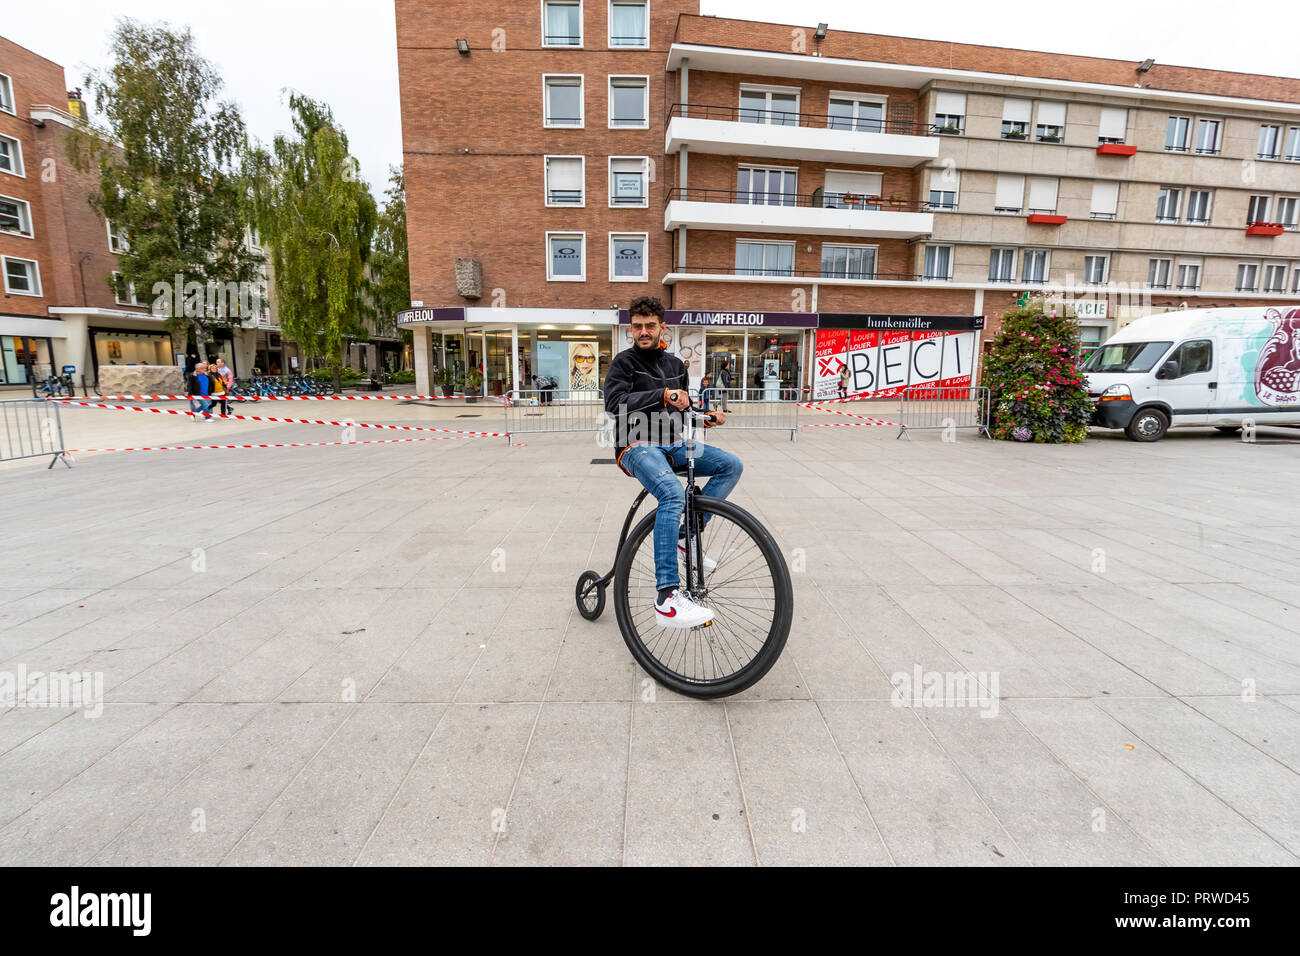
{"points": [[950, 104], [1015, 111], [1105, 198], [1042, 193], [1114, 123], [564, 174], [1010, 192], [1051, 114], [862, 184]]}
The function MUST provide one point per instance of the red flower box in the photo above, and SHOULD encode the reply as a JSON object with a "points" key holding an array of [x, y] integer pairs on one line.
{"points": [[1115, 149], [1264, 229], [1043, 219]]}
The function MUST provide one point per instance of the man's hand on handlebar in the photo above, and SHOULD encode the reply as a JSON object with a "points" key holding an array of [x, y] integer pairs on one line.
{"points": [[679, 399], [719, 417]]}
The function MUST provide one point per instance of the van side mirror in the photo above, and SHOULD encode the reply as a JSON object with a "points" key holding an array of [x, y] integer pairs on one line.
{"points": [[1169, 370]]}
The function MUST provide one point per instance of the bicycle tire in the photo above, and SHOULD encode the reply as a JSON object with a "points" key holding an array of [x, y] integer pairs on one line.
{"points": [[726, 619]]}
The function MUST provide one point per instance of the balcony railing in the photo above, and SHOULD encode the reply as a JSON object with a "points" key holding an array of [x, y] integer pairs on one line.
{"points": [[732, 270], [745, 114], [818, 199]]}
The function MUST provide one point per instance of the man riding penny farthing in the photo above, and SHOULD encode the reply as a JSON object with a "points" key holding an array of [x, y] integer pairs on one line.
{"points": [[701, 591]]}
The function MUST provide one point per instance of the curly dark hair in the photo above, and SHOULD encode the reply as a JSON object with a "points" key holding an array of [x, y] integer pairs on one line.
{"points": [[646, 305]]}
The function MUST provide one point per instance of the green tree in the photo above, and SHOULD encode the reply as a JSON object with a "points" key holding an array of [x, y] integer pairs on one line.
{"points": [[389, 283], [1036, 388], [167, 156], [318, 218]]}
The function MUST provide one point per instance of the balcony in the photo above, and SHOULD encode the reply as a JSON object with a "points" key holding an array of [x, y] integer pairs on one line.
{"points": [[1264, 229], [1111, 148], [1045, 217], [709, 273], [736, 131], [819, 213]]}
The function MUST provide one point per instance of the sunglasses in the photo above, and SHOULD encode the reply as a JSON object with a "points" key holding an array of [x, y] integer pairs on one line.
{"points": [[589, 359]]}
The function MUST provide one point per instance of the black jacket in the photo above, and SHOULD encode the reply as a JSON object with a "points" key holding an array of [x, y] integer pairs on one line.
{"points": [[636, 394]]}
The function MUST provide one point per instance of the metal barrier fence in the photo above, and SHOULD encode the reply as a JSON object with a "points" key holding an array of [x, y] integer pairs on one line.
{"points": [[760, 409], [31, 429], [533, 410], [923, 408], [559, 410]]}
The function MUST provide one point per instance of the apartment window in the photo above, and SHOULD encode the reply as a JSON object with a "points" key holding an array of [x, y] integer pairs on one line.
{"points": [[1042, 196], [1293, 144], [855, 112], [1002, 265], [627, 261], [760, 186], [1113, 125], [1208, 135], [1009, 194], [1247, 277], [851, 190], [775, 107], [1033, 265], [938, 263], [629, 102], [1189, 276], [949, 113], [1051, 123], [116, 240], [11, 156], [756, 257], [1270, 139], [1095, 269], [565, 181], [943, 195], [253, 239], [1167, 205], [628, 23], [1275, 278], [1105, 200], [848, 262], [566, 259], [1295, 282], [563, 101], [562, 23], [1198, 207], [123, 291], [1158, 273], [1288, 211], [1176, 134], [22, 276], [1015, 118], [6, 94], [15, 216], [628, 181], [1258, 211]]}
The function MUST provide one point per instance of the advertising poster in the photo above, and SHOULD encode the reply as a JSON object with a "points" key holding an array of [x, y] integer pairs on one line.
{"points": [[584, 370], [689, 347], [886, 362], [553, 360]]}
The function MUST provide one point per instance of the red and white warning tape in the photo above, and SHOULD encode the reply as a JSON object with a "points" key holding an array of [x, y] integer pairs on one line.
{"points": [[286, 398], [865, 421], [291, 421], [294, 444]]}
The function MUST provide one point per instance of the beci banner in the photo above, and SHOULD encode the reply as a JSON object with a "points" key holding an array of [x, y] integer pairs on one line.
{"points": [[887, 362]]}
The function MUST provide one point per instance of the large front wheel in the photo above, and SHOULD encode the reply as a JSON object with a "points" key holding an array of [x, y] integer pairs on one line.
{"points": [[749, 592]]}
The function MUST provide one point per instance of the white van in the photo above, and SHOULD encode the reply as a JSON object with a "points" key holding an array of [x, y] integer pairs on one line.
{"points": [[1220, 367]]}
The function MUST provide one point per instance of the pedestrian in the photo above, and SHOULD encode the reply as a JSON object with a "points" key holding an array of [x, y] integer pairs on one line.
{"points": [[705, 393], [724, 383], [228, 377], [199, 387], [218, 387], [843, 388]]}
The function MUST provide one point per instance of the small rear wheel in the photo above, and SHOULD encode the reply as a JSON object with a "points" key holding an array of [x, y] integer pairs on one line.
{"points": [[590, 595]]}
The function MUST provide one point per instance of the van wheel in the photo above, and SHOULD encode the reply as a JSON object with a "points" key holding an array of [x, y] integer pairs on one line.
{"points": [[1228, 429], [1149, 424]]}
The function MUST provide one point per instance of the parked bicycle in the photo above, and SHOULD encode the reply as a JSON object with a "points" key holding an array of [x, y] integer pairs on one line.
{"points": [[55, 386], [748, 589]]}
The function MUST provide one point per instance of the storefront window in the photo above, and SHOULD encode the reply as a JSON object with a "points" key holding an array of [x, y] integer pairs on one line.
{"points": [[725, 347], [141, 348], [16, 353]]}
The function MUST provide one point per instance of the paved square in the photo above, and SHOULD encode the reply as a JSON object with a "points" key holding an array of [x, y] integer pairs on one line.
{"points": [[315, 655]]}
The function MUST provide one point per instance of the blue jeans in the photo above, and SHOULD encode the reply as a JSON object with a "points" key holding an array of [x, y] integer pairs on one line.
{"points": [[201, 405], [652, 465]]}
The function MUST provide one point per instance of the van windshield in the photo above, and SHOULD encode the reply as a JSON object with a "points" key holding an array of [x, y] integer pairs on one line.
{"points": [[1126, 357]]}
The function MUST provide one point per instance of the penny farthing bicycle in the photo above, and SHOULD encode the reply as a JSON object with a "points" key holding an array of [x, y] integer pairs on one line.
{"points": [[747, 586]]}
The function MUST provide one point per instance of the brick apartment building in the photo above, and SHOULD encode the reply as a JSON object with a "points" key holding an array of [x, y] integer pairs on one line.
{"points": [[57, 255], [794, 194]]}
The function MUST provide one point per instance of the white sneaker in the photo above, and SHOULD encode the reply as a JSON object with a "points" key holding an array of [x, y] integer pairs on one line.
{"points": [[709, 564], [680, 611]]}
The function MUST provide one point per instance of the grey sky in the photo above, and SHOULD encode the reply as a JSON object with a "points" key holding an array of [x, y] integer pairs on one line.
{"points": [[344, 52]]}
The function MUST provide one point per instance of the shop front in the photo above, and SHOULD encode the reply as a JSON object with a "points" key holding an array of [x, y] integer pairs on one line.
{"points": [[886, 354], [129, 347], [24, 359]]}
